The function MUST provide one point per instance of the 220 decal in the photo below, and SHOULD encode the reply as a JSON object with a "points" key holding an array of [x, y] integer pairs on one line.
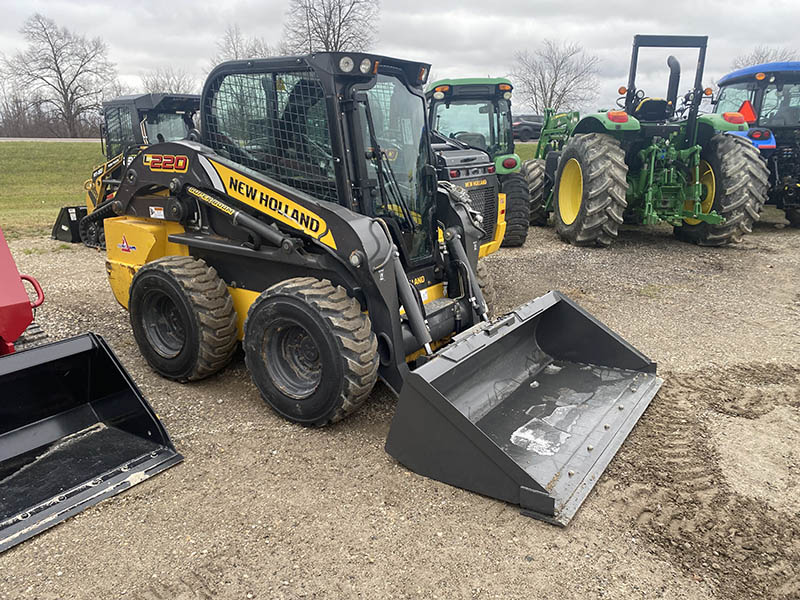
{"points": [[169, 163]]}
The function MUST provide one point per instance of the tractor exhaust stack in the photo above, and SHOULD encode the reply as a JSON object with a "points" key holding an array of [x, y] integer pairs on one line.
{"points": [[529, 409]]}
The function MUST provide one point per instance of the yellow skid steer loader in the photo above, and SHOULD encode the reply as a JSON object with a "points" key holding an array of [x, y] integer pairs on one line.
{"points": [[307, 223]]}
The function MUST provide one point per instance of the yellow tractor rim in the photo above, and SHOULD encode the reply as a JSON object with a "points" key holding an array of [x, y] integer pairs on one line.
{"points": [[709, 183], [570, 192]]}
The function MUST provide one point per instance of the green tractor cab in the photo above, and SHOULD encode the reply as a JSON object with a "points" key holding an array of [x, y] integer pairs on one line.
{"points": [[476, 112], [653, 160]]}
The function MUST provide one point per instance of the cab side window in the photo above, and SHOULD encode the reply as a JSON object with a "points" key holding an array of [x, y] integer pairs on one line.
{"points": [[119, 130], [277, 124]]}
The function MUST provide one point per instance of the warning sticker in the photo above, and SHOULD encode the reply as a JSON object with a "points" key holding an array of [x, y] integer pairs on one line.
{"points": [[156, 212]]}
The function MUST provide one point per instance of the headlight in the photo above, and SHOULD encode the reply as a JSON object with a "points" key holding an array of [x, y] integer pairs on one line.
{"points": [[507, 95], [346, 64], [365, 66], [438, 95]]}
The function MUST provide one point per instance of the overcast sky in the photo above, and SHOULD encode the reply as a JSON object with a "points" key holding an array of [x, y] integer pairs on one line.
{"points": [[458, 37]]}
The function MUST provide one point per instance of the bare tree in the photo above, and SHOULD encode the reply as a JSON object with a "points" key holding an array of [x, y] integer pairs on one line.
{"points": [[559, 75], [330, 25], [233, 45], [168, 80], [764, 54], [67, 70]]}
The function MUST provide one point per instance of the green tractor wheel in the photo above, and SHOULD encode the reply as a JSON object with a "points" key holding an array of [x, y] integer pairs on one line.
{"points": [[734, 180], [533, 171], [589, 195], [515, 188], [793, 216]]}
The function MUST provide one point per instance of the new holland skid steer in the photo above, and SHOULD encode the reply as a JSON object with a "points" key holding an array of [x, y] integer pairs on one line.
{"points": [[476, 112], [130, 123], [74, 428], [653, 161], [308, 223]]}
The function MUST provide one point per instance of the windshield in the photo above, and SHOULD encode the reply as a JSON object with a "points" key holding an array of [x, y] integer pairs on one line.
{"points": [[478, 123], [398, 125], [781, 105], [165, 127]]}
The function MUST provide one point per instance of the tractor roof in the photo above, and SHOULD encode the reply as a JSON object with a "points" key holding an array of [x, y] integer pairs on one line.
{"points": [[747, 73], [469, 81]]}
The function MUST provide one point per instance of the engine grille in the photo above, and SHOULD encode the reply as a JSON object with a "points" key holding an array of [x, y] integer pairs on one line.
{"points": [[484, 200]]}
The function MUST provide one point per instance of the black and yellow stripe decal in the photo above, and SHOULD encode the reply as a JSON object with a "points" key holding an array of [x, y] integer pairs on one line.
{"points": [[270, 202]]}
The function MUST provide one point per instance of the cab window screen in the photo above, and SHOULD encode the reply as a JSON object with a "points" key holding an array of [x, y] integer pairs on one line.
{"points": [[119, 130], [277, 124]]}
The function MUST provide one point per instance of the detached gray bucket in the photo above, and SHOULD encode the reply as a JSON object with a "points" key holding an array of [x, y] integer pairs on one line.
{"points": [[74, 430], [529, 409]]}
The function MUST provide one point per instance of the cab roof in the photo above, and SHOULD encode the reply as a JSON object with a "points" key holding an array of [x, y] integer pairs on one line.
{"points": [[469, 81], [747, 73]]}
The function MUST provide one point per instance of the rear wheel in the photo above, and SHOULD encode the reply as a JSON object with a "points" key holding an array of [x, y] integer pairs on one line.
{"points": [[310, 350], [734, 180], [182, 317], [525, 135], [589, 195], [515, 188], [533, 171], [793, 216]]}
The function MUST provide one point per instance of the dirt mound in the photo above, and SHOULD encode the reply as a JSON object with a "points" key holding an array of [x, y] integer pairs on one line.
{"points": [[671, 476]]}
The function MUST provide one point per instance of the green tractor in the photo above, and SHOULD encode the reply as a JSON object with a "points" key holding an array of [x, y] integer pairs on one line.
{"points": [[653, 161], [476, 112]]}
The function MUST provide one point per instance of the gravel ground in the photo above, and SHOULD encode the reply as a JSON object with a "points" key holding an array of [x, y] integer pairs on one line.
{"points": [[701, 501]]}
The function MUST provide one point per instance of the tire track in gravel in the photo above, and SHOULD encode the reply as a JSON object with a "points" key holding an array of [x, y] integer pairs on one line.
{"points": [[677, 497]]}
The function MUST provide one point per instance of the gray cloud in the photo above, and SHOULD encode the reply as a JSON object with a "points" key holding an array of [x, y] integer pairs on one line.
{"points": [[459, 37]]}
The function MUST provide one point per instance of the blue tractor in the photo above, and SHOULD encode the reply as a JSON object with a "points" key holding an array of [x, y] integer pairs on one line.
{"points": [[768, 95]]}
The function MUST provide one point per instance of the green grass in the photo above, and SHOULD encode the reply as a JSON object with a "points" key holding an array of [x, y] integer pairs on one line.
{"points": [[526, 150], [38, 178]]}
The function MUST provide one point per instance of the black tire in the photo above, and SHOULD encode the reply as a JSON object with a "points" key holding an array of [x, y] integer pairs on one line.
{"points": [[596, 198], [514, 186], [486, 283], [740, 177], [793, 216], [525, 135], [182, 317], [310, 350], [533, 172]]}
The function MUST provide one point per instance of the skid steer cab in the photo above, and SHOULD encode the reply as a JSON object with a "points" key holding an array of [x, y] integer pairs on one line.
{"points": [[130, 123], [308, 224]]}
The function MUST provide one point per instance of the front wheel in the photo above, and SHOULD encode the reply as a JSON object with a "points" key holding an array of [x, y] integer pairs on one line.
{"points": [[735, 183], [514, 186], [533, 171], [310, 350], [589, 196]]}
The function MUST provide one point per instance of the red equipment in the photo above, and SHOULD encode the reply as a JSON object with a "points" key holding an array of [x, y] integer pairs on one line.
{"points": [[16, 308]]}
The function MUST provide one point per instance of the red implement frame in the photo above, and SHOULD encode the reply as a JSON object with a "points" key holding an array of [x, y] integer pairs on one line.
{"points": [[16, 308]]}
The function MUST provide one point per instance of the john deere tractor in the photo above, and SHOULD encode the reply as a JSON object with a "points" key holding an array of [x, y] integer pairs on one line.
{"points": [[768, 95], [655, 160], [476, 112]]}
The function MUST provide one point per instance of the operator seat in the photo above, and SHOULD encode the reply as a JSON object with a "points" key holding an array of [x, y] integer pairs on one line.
{"points": [[652, 109], [476, 140]]}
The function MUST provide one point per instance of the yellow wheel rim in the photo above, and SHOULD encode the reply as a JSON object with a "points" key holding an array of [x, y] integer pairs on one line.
{"points": [[709, 183], [570, 192]]}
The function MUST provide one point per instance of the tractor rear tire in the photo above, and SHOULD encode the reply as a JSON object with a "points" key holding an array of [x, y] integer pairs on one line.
{"points": [[793, 216], [515, 188], [182, 317], [533, 171], [589, 196], [310, 350], [740, 177], [486, 283]]}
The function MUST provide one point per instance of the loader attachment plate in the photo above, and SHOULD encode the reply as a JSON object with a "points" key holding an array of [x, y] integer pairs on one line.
{"points": [[74, 430], [529, 409]]}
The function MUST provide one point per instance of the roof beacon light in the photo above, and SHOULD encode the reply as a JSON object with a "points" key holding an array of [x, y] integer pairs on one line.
{"points": [[761, 76]]}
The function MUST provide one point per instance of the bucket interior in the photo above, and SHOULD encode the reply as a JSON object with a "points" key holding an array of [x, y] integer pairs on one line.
{"points": [[73, 427]]}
